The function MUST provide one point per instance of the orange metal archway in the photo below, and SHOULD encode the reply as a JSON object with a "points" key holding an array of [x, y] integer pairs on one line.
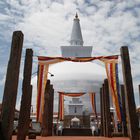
{"points": [[111, 70]]}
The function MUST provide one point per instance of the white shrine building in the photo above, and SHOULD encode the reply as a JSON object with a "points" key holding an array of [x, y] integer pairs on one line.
{"points": [[76, 116], [75, 107], [77, 77]]}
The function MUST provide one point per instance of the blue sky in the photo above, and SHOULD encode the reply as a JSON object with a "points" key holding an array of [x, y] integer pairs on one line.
{"points": [[106, 25]]}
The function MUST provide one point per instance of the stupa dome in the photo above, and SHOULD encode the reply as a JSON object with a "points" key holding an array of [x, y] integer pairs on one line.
{"points": [[77, 71], [78, 77]]}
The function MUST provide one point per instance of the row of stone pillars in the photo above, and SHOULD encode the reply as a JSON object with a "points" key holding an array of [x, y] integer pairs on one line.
{"points": [[10, 90], [10, 95], [130, 123], [106, 118]]}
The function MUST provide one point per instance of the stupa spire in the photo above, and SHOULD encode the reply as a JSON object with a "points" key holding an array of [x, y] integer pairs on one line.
{"points": [[76, 16], [76, 35]]}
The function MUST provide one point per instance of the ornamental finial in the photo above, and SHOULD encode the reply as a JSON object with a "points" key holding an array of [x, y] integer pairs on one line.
{"points": [[76, 16]]}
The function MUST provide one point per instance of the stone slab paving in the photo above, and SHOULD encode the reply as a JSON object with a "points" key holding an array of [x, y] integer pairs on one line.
{"points": [[75, 138]]}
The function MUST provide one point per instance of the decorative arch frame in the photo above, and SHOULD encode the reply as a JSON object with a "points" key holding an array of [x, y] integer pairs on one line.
{"points": [[111, 65]]}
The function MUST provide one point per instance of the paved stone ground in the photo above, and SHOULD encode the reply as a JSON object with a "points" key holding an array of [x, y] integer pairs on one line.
{"points": [[75, 138]]}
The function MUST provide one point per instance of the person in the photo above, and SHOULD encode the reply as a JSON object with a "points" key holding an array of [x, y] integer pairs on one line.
{"points": [[60, 129], [30, 124], [93, 130], [54, 129], [93, 126], [119, 126]]}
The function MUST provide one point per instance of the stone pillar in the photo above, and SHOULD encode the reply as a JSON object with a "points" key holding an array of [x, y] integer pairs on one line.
{"points": [[50, 127], [104, 116], [46, 113], [47, 123], [11, 86], [129, 95], [139, 94], [107, 109], [139, 104], [25, 108], [101, 112], [124, 125]]}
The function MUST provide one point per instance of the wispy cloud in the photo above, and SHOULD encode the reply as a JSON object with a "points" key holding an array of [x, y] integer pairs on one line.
{"points": [[47, 24]]}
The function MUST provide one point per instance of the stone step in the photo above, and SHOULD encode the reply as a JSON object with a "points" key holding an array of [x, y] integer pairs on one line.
{"points": [[76, 132]]}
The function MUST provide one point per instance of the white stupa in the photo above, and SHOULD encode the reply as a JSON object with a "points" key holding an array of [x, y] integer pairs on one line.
{"points": [[77, 76]]}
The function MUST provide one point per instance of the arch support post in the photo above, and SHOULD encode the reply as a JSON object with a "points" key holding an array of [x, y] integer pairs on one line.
{"points": [[129, 95]]}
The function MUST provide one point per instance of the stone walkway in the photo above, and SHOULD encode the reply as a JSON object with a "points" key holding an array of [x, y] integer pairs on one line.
{"points": [[75, 138]]}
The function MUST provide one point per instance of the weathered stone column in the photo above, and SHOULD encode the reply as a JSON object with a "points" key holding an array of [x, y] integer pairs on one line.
{"points": [[139, 94], [25, 108], [50, 127], [104, 116], [101, 111], [46, 113], [129, 95], [124, 125], [11, 85], [107, 109], [47, 123]]}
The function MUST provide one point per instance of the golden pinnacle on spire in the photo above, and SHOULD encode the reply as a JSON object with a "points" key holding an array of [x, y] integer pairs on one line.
{"points": [[76, 16]]}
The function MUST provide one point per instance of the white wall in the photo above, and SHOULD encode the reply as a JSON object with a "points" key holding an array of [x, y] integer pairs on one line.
{"points": [[79, 109], [76, 51]]}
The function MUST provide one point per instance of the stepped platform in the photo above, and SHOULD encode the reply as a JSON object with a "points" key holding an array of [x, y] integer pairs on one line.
{"points": [[75, 138], [76, 132]]}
